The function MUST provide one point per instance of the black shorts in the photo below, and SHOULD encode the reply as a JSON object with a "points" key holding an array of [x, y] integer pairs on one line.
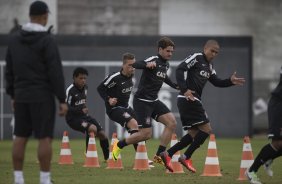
{"points": [[275, 118], [191, 112], [122, 115], [82, 124], [36, 117], [147, 110]]}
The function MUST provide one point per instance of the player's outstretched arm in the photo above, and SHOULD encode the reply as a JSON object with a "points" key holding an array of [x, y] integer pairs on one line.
{"points": [[237, 80]]}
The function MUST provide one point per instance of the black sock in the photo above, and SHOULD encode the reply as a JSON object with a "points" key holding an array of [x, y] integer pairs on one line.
{"points": [[160, 149], [278, 154], [104, 144], [135, 146], [199, 139], [87, 140], [122, 144], [184, 141], [266, 153]]}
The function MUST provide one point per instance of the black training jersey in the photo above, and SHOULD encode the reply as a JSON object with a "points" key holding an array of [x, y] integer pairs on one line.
{"points": [[152, 79], [278, 90], [118, 86], [194, 72], [76, 100]]}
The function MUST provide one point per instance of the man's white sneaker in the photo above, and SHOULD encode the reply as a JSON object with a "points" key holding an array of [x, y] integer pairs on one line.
{"points": [[150, 162], [268, 168], [252, 176]]}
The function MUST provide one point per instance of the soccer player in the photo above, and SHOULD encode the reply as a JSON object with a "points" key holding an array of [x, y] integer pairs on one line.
{"points": [[115, 90], [274, 149], [192, 75], [77, 117], [146, 103], [34, 77]]}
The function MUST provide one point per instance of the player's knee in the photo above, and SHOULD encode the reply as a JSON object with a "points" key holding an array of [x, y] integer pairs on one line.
{"points": [[172, 125], [92, 128]]}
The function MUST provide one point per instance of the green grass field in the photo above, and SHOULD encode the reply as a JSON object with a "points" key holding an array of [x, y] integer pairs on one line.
{"points": [[229, 154]]}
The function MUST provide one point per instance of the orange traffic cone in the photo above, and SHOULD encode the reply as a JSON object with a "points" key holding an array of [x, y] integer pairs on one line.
{"points": [[176, 166], [111, 163], [212, 164], [141, 157], [247, 158], [91, 159], [65, 153]]}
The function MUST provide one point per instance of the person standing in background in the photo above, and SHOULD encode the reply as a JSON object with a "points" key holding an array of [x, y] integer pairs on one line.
{"points": [[34, 77]]}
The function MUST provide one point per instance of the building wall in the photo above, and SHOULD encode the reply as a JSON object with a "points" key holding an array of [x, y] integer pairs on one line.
{"points": [[109, 17], [19, 9]]}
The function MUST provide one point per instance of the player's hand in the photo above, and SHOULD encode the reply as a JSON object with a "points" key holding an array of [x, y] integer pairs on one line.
{"points": [[85, 110], [189, 95], [151, 65], [112, 101], [63, 109], [237, 80]]}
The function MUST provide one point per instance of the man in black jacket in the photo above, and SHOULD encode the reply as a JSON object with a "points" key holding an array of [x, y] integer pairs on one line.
{"points": [[34, 76], [192, 75], [77, 117], [146, 103]]}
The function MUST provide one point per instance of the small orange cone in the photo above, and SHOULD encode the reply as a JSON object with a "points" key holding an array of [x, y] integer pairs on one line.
{"points": [[247, 158], [176, 166], [111, 163], [212, 164], [141, 157], [65, 153], [91, 159]]}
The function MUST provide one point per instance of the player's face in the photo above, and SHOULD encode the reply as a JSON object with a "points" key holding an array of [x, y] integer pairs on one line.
{"points": [[127, 67], [167, 52], [80, 80], [211, 52]]}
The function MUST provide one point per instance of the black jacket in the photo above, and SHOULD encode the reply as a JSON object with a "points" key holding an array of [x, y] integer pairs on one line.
{"points": [[76, 100], [33, 67], [116, 85]]}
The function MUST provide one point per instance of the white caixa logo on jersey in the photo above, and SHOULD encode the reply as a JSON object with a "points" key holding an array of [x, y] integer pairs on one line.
{"points": [[205, 74], [161, 74], [125, 90], [82, 101]]}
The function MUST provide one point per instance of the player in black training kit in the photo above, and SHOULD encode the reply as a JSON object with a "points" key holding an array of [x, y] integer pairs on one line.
{"points": [[146, 103], [274, 149], [116, 90], [192, 75], [77, 117]]}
